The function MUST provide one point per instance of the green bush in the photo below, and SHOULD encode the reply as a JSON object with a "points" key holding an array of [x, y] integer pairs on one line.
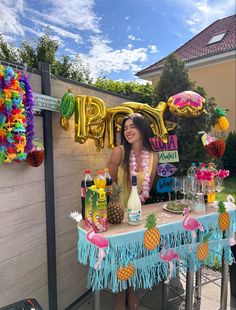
{"points": [[229, 158]]}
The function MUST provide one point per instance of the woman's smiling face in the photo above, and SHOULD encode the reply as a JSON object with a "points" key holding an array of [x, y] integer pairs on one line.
{"points": [[131, 132]]}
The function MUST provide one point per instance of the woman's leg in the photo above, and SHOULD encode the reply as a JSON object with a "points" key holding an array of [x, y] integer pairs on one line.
{"points": [[132, 299], [120, 301]]}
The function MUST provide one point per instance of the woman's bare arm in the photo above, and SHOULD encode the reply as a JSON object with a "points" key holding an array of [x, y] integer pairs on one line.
{"points": [[114, 162], [154, 169]]}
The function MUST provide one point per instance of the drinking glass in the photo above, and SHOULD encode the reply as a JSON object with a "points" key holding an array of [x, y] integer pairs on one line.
{"points": [[184, 186], [175, 185], [219, 184]]}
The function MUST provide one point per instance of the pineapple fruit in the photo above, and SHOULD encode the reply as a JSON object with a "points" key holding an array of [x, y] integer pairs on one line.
{"points": [[152, 235], [115, 211], [224, 218], [125, 273], [203, 249]]}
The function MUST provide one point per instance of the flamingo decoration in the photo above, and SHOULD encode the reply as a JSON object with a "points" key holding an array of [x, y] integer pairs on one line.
{"points": [[101, 243], [169, 256], [96, 239], [191, 224]]}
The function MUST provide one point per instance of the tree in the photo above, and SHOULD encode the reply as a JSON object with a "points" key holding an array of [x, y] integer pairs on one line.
{"points": [[7, 51], [45, 49], [175, 79], [230, 153], [143, 93]]}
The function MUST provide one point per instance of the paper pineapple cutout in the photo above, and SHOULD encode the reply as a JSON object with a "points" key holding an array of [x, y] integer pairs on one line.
{"points": [[152, 235], [224, 218], [203, 249], [125, 273]]}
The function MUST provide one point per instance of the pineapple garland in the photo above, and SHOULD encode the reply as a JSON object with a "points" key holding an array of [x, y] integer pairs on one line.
{"points": [[115, 211], [152, 235], [224, 218], [125, 273], [203, 249]]}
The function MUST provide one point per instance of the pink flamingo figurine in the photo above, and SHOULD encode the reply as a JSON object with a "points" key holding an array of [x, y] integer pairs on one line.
{"points": [[101, 243], [169, 256], [191, 224], [97, 239]]}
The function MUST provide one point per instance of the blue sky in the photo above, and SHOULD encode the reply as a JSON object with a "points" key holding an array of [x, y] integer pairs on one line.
{"points": [[116, 38]]}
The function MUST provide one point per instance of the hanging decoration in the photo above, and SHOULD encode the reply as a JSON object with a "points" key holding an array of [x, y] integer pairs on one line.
{"points": [[36, 156], [125, 273], [187, 104], [221, 122], [224, 218], [152, 235], [203, 250], [67, 108], [16, 116]]}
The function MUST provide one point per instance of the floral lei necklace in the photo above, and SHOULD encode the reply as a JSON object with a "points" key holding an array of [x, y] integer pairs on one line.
{"points": [[145, 156]]}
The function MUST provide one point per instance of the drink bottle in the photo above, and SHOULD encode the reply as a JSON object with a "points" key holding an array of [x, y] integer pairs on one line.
{"points": [[99, 180], [134, 204], [108, 183], [191, 171], [86, 182]]}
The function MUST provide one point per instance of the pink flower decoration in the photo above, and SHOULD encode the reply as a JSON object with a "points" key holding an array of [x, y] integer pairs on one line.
{"points": [[223, 174]]}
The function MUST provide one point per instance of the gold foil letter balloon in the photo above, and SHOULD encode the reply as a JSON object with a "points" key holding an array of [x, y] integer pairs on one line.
{"points": [[114, 120], [187, 104], [155, 115], [90, 115]]}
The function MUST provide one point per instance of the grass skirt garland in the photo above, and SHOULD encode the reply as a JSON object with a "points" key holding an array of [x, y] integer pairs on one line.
{"points": [[150, 269], [16, 116]]}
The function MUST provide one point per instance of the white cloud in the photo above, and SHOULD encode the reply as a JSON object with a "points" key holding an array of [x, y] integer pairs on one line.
{"points": [[204, 12], [130, 46], [9, 19], [73, 14], [133, 38], [60, 31], [153, 49], [127, 17], [103, 59]]}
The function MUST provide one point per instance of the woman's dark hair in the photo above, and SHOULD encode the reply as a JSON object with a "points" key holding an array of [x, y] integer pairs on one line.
{"points": [[144, 128]]}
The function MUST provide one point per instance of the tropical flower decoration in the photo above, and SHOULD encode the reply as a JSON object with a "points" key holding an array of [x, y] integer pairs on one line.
{"points": [[222, 174], [16, 116], [205, 175]]}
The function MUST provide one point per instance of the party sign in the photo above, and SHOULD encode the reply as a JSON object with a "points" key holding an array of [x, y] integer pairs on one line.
{"points": [[164, 185], [168, 157], [158, 145], [166, 170]]}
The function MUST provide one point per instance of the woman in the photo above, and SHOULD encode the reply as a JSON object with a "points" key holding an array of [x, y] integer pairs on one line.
{"points": [[133, 156]]}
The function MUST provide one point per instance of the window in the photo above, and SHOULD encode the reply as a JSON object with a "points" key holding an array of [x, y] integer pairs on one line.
{"points": [[217, 38]]}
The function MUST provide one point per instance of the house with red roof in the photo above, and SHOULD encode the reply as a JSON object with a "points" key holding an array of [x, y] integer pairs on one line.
{"points": [[210, 57]]}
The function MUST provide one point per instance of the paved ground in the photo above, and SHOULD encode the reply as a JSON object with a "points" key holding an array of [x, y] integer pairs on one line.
{"points": [[151, 299]]}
